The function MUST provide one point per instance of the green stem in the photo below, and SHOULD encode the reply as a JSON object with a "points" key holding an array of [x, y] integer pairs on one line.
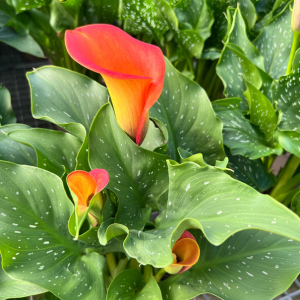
{"points": [[289, 185], [295, 45], [159, 275], [200, 70], [111, 262], [148, 272], [134, 264], [121, 266], [285, 175]]}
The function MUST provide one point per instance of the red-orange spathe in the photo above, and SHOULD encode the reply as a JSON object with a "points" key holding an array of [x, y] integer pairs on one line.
{"points": [[186, 253], [133, 71]]}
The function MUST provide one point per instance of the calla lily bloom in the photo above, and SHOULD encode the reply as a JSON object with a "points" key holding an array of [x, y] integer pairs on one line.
{"points": [[186, 253], [133, 71], [86, 192]]}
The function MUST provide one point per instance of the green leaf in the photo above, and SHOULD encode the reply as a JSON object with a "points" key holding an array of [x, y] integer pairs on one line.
{"points": [[67, 99], [23, 5], [104, 11], [295, 205], [137, 176], [274, 43], [249, 265], [240, 56], [65, 14], [4, 18], [56, 151], [285, 91], [196, 15], [12, 288], [290, 141], [155, 139], [22, 42], [251, 172], [187, 113], [219, 28], [144, 17], [7, 115], [48, 256], [210, 200], [189, 41], [242, 137], [262, 113], [13, 151], [226, 104], [129, 284]]}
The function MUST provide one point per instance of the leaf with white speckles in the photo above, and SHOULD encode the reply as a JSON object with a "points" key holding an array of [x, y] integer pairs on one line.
{"points": [[38, 247], [23, 5], [137, 176], [274, 43], [210, 200], [12, 288], [67, 99], [242, 137], [130, 284], [262, 113], [219, 8], [250, 265], [7, 115], [187, 113], [56, 151], [251, 172], [13, 151], [239, 56], [286, 92]]}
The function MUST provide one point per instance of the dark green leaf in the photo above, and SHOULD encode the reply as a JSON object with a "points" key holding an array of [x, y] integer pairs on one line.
{"points": [[249, 265], [262, 113], [286, 92], [295, 205], [38, 247], [7, 115], [290, 141], [274, 43], [22, 42], [65, 14], [219, 28], [239, 56], [130, 284], [251, 172], [242, 137], [13, 151], [187, 113], [137, 176]]}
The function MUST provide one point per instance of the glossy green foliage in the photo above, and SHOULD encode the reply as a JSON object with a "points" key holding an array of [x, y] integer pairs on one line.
{"points": [[207, 199], [240, 268], [67, 99], [21, 41], [13, 151], [130, 284], [137, 176], [251, 172], [12, 288], [48, 252], [180, 107]]}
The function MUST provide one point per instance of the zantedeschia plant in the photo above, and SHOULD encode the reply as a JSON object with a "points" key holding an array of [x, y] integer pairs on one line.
{"points": [[138, 198]]}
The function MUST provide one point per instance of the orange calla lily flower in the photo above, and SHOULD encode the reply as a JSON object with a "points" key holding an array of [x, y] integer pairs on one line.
{"points": [[85, 189], [186, 253], [133, 71]]}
